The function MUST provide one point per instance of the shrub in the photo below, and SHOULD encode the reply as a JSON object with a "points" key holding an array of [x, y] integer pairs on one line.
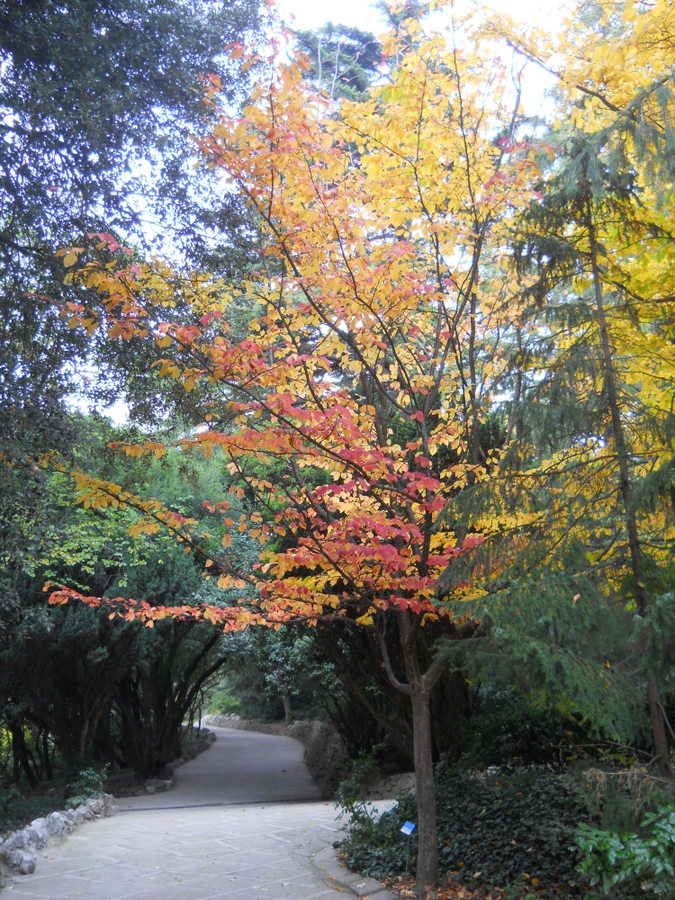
{"points": [[16, 811], [354, 787], [512, 728], [637, 863], [223, 702], [514, 831], [87, 783], [376, 846], [622, 797]]}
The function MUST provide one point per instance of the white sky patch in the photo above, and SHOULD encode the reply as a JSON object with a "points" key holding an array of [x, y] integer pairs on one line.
{"points": [[309, 14], [547, 15]]}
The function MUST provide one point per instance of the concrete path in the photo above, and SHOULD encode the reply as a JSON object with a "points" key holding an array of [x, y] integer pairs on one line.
{"points": [[240, 767], [200, 842]]}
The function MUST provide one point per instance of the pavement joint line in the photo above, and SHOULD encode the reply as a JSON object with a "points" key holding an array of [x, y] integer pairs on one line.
{"points": [[294, 839], [223, 804]]}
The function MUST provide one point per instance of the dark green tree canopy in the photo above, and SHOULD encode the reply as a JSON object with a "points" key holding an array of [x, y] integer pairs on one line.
{"points": [[99, 100], [344, 61], [98, 105], [91, 89]]}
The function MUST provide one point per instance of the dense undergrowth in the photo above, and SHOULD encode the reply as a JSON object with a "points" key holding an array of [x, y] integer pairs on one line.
{"points": [[20, 804], [18, 808], [524, 833], [508, 830]]}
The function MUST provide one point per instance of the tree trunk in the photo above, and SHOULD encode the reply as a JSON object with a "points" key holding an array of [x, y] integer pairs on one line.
{"points": [[21, 756], [419, 689], [425, 788], [420, 683], [46, 758], [655, 706], [659, 734]]}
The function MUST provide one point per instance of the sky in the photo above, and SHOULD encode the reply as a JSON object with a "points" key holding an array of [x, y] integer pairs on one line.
{"points": [[544, 14], [309, 14]]}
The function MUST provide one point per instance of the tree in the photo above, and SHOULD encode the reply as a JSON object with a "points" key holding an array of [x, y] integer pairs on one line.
{"points": [[343, 61], [601, 244], [91, 91], [367, 376], [93, 95], [372, 412], [586, 232], [92, 688]]}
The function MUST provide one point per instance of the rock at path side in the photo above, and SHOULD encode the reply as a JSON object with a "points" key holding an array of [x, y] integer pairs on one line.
{"points": [[158, 785], [19, 852]]}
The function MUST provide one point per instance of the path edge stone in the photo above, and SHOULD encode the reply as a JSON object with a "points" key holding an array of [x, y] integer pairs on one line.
{"points": [[19, 852], [333, 872]]}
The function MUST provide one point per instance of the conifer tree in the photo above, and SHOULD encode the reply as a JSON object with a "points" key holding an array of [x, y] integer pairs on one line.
{"points": [[343, 60], [602, 247], [593, 378], [583, 238]]}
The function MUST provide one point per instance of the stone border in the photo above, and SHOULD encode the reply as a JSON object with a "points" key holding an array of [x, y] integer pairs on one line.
{"points": [[327, 759], [19, 852], [335, 873]]}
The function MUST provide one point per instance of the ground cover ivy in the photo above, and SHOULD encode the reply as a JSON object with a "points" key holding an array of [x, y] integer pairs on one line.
{"points": [[514, 830]]}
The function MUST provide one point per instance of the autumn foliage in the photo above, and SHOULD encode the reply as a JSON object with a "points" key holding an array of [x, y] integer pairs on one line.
{"points": [[363, 378], [371, 409]]}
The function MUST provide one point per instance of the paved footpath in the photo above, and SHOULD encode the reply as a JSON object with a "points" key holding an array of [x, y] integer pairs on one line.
{"points": [[244, 821]]}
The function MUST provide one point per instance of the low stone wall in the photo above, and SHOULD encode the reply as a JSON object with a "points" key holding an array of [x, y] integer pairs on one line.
{"points": [[19, 852], [200, 740], [245, 724], [325, 755]]}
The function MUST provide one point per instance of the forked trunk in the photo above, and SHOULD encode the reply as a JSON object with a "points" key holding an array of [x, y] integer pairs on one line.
{"points": [[418, 687]]}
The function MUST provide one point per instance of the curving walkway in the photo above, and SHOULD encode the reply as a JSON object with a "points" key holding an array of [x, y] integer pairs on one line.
{"points": [[240, 767], [244, 821]]}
